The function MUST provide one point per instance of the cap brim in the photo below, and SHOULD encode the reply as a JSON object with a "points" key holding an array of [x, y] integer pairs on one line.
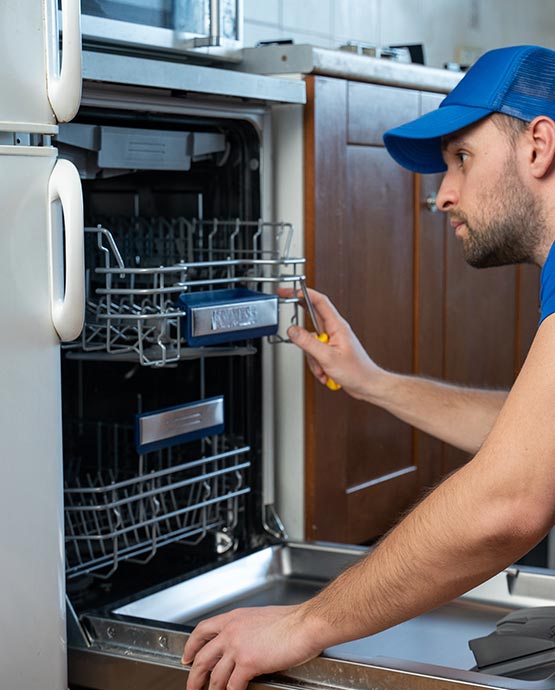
{"points": [[416, 145]]}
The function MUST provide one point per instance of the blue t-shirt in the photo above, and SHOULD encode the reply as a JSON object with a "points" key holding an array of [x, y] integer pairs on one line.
{"points": [[547, 285]]}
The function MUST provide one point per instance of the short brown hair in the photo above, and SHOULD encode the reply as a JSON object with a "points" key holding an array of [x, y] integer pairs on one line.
{"points": [[513, 127]]}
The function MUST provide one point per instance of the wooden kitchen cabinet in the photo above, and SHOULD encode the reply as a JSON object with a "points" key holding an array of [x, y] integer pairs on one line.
{"points": [[395, 270]]}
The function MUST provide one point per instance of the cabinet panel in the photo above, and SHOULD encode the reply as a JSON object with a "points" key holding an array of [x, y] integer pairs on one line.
{"points": [[480, 328], [429, 304], [374, 508], [363, 259], [325, 414], [480, 321], [379, 301], [395, 270], [374, 109], [430, 230]]}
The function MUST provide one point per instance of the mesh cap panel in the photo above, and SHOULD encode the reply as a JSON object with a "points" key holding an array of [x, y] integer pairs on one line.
{"points": [[532, 91]]}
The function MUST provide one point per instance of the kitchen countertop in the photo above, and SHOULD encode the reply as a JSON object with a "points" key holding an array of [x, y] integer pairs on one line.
{"points": [[306, 59]]}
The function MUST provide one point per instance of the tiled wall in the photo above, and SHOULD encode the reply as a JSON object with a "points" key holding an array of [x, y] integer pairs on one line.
{"points": [[450, 30]]}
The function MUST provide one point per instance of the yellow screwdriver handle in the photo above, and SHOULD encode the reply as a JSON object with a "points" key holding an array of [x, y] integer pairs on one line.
{"points": [[330, 383]]}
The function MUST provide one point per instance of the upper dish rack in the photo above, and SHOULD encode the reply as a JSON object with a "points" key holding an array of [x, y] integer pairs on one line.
{"points": [[137, 267]]}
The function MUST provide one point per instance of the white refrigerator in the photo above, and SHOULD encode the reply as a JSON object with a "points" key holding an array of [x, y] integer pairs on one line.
{"points": [[41, 303]]}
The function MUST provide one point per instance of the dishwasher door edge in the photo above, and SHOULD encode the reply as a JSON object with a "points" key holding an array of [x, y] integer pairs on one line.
{"points": [[120, 661]]}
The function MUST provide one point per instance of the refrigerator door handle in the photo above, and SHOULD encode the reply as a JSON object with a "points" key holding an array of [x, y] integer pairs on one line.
{"points": [[64, 82], [67, 307]]}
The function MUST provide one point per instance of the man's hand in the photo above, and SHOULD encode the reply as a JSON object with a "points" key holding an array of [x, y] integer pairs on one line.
{"points": [[233, 648], [342, 358]]}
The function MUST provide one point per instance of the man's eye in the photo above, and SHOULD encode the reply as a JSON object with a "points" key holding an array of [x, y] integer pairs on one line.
{"points": [[462, 156]]}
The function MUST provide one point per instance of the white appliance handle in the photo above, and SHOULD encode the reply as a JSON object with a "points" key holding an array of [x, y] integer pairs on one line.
{"points": [[68, 310], [64, 85]]}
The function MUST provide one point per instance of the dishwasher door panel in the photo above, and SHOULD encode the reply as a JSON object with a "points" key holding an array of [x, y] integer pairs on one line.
{"points": [[430, 651]]}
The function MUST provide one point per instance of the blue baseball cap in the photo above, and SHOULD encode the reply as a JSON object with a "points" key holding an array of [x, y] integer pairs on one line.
{"points": [[517, 81]]}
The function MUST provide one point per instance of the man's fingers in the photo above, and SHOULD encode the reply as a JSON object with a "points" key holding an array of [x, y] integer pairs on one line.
{"points": [[239, 679], [286, 292], [316, 369], [326, 313], [198, 638], [307, 342], [205, 660], [219, 678], [315, 350]]}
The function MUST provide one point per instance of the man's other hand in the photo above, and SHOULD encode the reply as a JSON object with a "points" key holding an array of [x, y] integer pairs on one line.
{"points": [[231, 649]]}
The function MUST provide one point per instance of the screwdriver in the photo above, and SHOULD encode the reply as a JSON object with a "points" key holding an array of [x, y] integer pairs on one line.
{"points": [[322, 337]]}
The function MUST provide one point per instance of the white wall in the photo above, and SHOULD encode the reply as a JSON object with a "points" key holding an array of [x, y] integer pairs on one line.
{"points": [[450, 30]]}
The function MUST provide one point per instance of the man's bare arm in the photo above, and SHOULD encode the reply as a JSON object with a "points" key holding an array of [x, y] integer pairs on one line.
{"points": [[477, 522], [460, 416]]}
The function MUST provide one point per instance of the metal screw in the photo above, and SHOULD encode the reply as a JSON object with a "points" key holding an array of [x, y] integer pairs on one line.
{"points": [[111, 632], [163, 641], [430, 202]]}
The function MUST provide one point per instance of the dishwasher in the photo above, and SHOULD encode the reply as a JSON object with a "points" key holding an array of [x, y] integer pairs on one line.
{"points": [[168, 421]]}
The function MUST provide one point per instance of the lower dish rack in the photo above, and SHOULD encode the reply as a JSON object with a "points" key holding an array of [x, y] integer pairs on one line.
{"points": [[137, 268], [143, 502]]}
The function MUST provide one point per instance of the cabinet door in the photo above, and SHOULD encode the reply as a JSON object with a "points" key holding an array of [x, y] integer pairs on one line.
{"points": [[360, 249], [395, 271]]}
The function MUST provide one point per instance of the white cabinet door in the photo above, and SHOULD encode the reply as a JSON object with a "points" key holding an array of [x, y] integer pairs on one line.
{"points": [[38, 87], [32, 651]]}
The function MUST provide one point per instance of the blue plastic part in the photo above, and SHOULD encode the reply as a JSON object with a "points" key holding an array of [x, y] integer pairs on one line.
{"points": [[180, 438], [229, 313]]}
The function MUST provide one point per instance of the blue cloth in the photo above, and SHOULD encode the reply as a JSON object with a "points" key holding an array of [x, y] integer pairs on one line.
{"points": [[547, 285]]}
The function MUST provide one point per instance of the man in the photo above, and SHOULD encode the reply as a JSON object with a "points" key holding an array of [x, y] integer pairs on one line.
{"points": [[494, 136]]}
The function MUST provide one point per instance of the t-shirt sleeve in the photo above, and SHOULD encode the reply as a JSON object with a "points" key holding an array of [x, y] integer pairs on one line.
{"points": [[547, 288]]}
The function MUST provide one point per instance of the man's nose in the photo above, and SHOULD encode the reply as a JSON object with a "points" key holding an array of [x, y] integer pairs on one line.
{"points": [[447, 195]]}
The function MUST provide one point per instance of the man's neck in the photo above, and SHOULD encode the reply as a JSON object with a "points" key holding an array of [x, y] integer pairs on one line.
{"points": [[543, 248]]}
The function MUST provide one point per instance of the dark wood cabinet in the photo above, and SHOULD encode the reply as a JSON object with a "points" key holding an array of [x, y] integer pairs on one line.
{"points": [[395, 271]]}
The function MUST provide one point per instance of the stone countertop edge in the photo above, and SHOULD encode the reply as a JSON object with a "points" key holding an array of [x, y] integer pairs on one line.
{"points": [[303, 59], [381, 71]]}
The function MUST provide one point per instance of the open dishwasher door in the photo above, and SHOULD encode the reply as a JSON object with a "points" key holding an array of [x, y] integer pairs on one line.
{"points": [[139, 644]]}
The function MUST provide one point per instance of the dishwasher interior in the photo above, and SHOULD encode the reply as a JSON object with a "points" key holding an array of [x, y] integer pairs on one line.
{"points": [[167, 421], [165, 391]]}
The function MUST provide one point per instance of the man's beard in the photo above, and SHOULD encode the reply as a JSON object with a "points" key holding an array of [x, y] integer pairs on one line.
{"points": [[513, 230]]}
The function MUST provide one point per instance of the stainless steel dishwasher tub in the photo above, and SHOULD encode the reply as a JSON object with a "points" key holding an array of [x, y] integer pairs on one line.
{"points": [[139, 644]]}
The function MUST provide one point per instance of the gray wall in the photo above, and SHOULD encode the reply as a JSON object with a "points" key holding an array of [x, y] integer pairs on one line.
{"points": [[450, 30]]}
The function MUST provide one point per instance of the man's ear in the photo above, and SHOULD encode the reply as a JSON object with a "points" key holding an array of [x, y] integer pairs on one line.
{"points": [[541, 136]]}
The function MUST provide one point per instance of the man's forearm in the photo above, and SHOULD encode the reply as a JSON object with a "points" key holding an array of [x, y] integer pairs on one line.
{"points": [[449, 544], [460, 416], [479, 520], [457, 415]]}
